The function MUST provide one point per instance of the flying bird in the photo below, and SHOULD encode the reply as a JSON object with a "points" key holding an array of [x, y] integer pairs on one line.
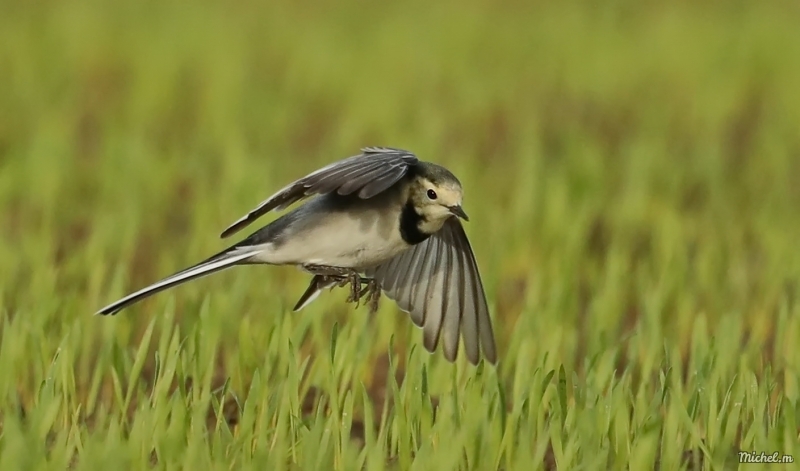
{"points": [[384, 219]]}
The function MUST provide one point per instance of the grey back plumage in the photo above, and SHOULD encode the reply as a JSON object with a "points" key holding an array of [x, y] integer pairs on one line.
{"points": [[369, 173]]}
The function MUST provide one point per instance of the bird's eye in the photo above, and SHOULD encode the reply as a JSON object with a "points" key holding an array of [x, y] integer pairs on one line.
{"points": [[431, 194]]}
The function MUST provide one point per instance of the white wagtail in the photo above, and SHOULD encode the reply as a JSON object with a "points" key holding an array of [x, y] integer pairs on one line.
{"points": [[386, 215]]}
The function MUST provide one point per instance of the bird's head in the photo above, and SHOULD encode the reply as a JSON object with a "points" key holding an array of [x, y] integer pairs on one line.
{"points": [[436, 195]]}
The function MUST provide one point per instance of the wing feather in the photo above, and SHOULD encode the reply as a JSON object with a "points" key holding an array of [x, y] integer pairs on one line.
{"points": [[434, 302], [438, 283], [424, 256], [369, 173], [469, 318], [383, 180], [404, 271], [453, 294], [477, 299], [356, 179]]}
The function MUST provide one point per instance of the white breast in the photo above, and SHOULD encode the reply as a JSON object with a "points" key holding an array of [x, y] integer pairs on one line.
{"points": [[350, 239]]}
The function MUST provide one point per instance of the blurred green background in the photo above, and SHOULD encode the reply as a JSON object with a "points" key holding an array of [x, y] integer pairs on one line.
{"points": [[631, 173]]}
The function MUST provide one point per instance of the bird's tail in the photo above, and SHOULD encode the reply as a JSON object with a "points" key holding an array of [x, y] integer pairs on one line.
{"points": [[318, 283], [221, 261]]}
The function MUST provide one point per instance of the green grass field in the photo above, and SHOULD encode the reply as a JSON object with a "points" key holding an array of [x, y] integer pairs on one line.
{"points": [[632, 175]]}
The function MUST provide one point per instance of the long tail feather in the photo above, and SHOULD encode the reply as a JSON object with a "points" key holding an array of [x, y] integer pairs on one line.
{"points": [[207, 267], [314, 289]]}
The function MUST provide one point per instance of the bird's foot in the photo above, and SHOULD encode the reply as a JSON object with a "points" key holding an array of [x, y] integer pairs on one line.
{"points": [[344, 276], [355, 287]]}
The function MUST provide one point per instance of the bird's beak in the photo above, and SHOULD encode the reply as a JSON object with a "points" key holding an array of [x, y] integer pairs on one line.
{"points": [[457, 210]]}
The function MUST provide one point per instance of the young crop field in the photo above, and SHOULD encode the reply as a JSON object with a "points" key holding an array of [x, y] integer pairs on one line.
{"points": [[632, 177]]}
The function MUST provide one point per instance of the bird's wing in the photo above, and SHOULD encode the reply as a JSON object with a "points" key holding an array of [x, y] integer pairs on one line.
{"points": [[372, 171], [438, 283]]}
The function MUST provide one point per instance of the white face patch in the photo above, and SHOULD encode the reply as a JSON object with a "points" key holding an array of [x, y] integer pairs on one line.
{"points": [[434, 202], [441, 195]]}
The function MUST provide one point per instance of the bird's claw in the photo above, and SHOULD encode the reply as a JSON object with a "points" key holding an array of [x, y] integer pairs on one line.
{"points": [[343, 277], [372, 293], [354, 279]]}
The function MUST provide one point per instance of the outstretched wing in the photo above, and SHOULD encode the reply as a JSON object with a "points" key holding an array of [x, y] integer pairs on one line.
{"points": [[369, 173], [438, 283]]}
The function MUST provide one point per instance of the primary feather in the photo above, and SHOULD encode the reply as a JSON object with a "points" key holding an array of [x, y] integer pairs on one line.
{"points": [[438, 283]]}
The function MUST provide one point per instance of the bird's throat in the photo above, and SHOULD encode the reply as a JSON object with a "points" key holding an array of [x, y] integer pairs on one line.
{"points": [[410, 221]]}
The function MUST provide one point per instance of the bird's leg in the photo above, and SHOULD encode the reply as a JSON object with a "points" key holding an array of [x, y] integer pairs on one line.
{"points": [[370, 286], [372, 293], [343, 276], [355, 287], [326, 270]]}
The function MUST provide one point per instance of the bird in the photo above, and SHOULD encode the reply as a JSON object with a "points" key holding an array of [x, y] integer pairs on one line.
{"points": [[383, 218]]}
